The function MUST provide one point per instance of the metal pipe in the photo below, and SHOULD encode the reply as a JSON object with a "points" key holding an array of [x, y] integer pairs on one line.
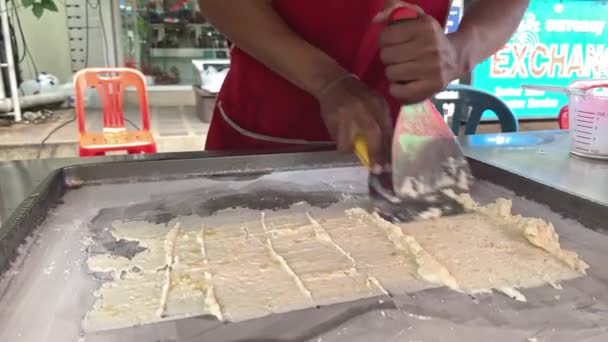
{"points": [[8, 49], [116, 48], [7, 105], [2, 92]]}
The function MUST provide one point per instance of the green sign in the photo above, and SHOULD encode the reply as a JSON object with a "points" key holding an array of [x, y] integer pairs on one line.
{"points": [[556, 43]]}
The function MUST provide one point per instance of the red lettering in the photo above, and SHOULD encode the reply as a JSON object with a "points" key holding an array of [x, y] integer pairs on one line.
{"points": [[596, 60], [575, 62], [499, 63], [591, 59], [538, 69], [601, 61], [519, 61], [557, 59]]}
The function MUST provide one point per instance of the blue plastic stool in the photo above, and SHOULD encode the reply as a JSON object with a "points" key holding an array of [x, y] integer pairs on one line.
{"points": [[477, 101]]}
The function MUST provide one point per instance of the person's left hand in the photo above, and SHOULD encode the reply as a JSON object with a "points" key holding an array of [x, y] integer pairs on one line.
{"points": [[420, 60]]}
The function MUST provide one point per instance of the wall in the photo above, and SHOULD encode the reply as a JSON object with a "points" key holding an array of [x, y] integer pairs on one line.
{"points": [[47, 39], [85, 33], [60, 51]]}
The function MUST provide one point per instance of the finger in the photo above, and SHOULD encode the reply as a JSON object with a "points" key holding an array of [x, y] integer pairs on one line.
{"points": [[406, 31], [415, 91], [405, 52], [422, 49], [375, 142], [332, 129], [409, 71], [345, 138], [400, 33], [389, 6]]}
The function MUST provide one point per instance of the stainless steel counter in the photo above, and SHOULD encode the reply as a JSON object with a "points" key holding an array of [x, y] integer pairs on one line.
{"points": [[543, 157]]}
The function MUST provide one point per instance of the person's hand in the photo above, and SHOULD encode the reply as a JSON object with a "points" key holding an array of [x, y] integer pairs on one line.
{"points": [[420, 60], [349, 108]]}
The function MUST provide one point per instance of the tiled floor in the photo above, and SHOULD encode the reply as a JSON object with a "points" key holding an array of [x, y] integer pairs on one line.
{"points": [[175, 129]]}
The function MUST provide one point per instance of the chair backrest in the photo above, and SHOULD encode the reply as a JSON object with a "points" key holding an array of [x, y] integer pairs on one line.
{"points": [[110, 83], [470, 106]]}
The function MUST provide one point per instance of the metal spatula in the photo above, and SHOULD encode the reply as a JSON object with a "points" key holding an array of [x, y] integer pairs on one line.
{"points": [[426, 161]]}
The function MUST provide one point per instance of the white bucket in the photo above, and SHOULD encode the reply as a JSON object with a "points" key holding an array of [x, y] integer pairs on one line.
{"points": [[588, 115]]}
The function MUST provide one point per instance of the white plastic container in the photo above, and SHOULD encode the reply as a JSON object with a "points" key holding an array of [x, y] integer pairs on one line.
{"points": [[588, 116], [588, 111]]}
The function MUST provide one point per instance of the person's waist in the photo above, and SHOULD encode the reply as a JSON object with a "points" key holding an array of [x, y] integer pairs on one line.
{"points": [[275, 124]]}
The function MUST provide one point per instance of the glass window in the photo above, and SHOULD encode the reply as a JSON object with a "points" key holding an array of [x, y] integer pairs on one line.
{"points": [[162, 37]]}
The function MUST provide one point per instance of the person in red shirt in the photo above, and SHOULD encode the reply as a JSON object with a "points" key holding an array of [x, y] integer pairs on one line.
{"points": [[291, 80]]}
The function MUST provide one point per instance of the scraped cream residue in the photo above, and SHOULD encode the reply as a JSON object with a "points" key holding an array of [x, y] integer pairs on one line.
{"points": [[200, 238], [456, 176], [279, 258], [536, 231], [106, 263], [431, 213], [211, 300], [170, 260], [322, 234], [332, 264], [428, 268], [542, 234], [512, 293]]}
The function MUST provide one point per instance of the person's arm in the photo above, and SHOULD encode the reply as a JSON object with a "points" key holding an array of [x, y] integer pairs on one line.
{"points": [[485, 28], [256, 28], [348, 107]]}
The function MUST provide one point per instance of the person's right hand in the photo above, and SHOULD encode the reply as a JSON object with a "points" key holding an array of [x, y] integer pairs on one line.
{"points": [[350, 108]]}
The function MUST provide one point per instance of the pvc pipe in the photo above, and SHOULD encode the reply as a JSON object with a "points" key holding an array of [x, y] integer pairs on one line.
{"points": [[7, 105], [8, 49], [2, 92]]}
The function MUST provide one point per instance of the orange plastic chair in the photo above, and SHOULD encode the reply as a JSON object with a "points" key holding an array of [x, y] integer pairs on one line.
{"points": [[111, 83], [563, 118]]}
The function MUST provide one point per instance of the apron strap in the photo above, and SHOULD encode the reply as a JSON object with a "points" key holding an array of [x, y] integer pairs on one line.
{"points": [[268, 138]]}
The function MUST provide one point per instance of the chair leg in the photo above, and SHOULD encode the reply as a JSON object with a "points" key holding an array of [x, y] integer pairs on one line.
{"points": [[144, 150], [151, 149], [83, 152]]}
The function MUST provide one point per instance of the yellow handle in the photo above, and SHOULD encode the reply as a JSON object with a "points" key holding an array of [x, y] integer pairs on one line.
{"points": [[360, 147]]}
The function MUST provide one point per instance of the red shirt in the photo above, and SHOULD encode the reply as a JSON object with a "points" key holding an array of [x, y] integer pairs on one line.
{"points": [[262, 102]]}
